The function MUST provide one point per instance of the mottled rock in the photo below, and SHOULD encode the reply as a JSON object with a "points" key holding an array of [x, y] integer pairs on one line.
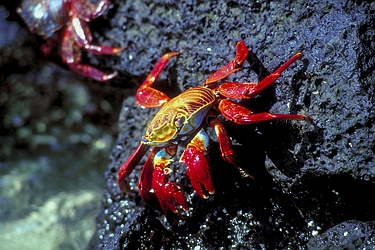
{"points": [[308, 178], [346, 235]]}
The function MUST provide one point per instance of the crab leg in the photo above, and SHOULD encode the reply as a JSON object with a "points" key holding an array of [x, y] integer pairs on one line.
{"points": [[89, 71], [129, 166], [169, 194], [145, 183], [241, 115], [148, 96], [83, 37], [226, 149], [248, 90], [71, 54], [198, 168], [232, 66]]}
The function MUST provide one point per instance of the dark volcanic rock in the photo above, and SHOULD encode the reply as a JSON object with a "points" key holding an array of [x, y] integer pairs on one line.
{"points": [[346, 235], [309, 178]]}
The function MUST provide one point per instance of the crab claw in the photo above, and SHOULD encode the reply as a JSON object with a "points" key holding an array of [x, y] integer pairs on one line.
{"points": [[198, 168], [169, 194], [198, 171]]}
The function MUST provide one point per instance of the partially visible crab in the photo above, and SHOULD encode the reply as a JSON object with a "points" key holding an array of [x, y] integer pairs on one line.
{"points": [[46, 17], [184, 119]]}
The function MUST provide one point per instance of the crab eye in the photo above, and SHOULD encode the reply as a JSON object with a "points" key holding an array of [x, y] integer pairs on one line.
{"points": [[179, 122]]}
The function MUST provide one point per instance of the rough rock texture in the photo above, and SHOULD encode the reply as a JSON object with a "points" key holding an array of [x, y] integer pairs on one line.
{"points": [[346, 235], [309, 178]]}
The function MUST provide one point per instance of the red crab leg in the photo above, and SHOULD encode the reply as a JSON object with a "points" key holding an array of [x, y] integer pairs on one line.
{"points": [[145, 183], [87, 11], [232, 66], [70, 51], [129, 166], [148, 96], [169, 194], [198, 168], [248, 90], [89, 71], [83, 38], [226, 149], [238, 114], [71, 55]]}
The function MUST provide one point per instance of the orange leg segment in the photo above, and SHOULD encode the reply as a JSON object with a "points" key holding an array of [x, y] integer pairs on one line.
{"points": [[148, 96]]}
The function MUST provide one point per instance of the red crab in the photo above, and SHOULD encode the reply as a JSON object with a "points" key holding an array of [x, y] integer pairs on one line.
{"points": [[184, 119], [45, 17]]}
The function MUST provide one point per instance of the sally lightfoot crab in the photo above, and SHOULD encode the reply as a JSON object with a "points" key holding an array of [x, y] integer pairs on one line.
{"points": [[46, 17], [184, 119]]}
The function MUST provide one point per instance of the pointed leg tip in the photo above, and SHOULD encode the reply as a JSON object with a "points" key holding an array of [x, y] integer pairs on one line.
{"points": [[297, 56], [308, 119], [118, 50], [210, 192], [241, 44], [109, 76], [171, 54], [174, 210], [202, 194], [185, 207]]}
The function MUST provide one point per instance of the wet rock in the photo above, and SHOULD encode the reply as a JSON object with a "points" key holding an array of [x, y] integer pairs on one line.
{"points": [[346, 235], [309, 178]]}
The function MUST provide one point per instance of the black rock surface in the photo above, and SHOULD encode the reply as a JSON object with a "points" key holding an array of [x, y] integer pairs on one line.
{"points": [[309, 178]]}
